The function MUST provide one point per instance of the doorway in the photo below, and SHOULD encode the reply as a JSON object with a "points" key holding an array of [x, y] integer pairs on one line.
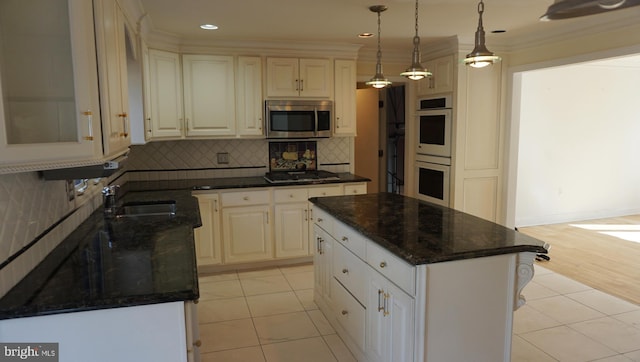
{"points": [[380, 142]]}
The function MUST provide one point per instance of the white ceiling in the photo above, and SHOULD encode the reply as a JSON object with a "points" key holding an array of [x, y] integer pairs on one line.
{"points": [[340, 21]]}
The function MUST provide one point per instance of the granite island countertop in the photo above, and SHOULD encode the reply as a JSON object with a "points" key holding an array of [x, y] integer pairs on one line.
{"points": [[420, 232], [107, 263]]}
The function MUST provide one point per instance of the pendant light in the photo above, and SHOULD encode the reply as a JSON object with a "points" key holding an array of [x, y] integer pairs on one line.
{"points": [[416, 71], [378, 80], [565, 9], [480, 56]]}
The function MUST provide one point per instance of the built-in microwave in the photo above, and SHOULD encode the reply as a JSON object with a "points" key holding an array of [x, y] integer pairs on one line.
{"points": [[433, 179], [434, 126], [298, 118]]}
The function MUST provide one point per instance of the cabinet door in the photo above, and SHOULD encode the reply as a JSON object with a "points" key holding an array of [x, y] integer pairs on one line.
{"points": [[111, 38], [283, 77], [163, 83], [345, 98], [209, 95], [323, 265], [246, 233], [49, 106], [292, 230], [441, 80], [249, 97], [207, 237], [390, 324], [316, 77]]}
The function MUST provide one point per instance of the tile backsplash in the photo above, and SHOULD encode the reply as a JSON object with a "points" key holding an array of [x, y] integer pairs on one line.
{"points": [[198, 158]]}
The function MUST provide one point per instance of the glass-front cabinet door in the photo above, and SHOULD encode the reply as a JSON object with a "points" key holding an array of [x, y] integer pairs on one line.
{"points": [[49, 107]]}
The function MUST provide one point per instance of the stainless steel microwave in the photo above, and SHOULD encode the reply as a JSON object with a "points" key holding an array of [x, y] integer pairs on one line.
{"points": [[298, 118]]}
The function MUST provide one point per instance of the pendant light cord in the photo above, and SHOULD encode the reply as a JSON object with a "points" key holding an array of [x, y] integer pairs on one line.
{"points": [[480, 11], [416, 37], [379, 54]]}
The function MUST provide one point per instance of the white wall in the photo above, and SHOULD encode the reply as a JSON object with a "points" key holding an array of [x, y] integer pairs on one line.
{"points": [[579, 146]]}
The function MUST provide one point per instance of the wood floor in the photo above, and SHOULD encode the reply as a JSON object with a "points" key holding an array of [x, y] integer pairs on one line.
{"points": [[601, 261]]}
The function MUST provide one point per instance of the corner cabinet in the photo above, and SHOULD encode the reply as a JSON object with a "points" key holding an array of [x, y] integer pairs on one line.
{"points": [[49, 105], [294, 77], [345, 84], [208, 243], [111, 39]]}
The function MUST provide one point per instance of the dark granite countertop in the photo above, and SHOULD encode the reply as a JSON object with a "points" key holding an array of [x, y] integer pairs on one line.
{"points": [[107, 263], [233, 182], [421, 233]]}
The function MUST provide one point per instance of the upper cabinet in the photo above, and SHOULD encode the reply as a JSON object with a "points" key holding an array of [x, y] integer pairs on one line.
{"points": [[209, 95], [294, 77], [249, 119], [441, 80], [345, 98], [49, 105], [194, 96], [112, 41]]}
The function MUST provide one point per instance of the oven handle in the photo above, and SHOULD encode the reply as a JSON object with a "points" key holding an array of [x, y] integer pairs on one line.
{"points": [[315, 117]]}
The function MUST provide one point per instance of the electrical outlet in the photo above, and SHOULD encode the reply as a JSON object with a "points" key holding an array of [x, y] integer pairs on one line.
{"points": [[223, 158]]}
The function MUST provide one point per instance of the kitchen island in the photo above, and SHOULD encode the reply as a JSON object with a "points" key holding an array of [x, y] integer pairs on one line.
{"points": [[406, 280]]}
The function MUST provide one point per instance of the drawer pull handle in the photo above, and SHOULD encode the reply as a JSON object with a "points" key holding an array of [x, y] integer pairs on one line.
{"points": [[344, 238], [380, 305], [246, 198], [345, 271], [344, 312], [383, 264]]}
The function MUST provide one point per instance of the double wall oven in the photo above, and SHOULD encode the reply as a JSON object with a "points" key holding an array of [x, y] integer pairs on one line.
{"points": [[433, 149]]}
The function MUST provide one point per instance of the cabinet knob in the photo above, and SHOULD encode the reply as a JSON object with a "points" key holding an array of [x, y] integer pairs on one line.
{"points": [[344, 312], [246, 198], [383, 264], [344, 238], [320, 219], [291, 196], [197, 343], [345, 271]]}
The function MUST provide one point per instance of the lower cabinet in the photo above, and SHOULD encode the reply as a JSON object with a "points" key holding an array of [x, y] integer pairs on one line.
{"points": [[390, 321], [246, 233], [322, 261], [260, 224]]}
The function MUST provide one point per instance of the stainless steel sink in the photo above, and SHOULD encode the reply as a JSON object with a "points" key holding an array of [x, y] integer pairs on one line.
{"points": [[151, 208]]}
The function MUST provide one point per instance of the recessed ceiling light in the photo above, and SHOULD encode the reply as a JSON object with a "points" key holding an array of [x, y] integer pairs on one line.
{"points": [[365, 35], [208, 27]]}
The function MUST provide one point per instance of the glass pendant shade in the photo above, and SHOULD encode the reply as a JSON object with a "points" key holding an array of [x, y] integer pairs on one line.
{"points": [[416, 71], [565, 9], [480, 56], [378, 80]]}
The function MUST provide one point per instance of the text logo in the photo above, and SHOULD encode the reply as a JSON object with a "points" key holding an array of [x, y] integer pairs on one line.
{"points": [[10, 352]]}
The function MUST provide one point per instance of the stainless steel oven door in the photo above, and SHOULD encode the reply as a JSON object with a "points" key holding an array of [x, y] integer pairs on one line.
{"points": [[433, 179], [434, 132]]}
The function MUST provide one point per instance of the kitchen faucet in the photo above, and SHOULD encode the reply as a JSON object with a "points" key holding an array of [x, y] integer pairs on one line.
{"points": [[109, 198]]}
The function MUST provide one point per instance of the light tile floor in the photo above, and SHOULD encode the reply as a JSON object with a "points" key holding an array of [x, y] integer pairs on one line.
{"points": [[269, 315]]}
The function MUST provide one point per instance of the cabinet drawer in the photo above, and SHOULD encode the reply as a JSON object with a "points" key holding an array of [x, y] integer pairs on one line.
{"points": [[393, 268], [290, 195], [242, 198], [335, 190], [350, 271], [350, 238], [355, 189], [322, 219], [349, 313]]}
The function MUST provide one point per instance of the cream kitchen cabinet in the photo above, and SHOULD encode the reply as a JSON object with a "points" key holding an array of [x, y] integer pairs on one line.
{"points": [[164, 110], [111, 39], [209, 95], [293, 77], [49, 100], [323, 265], [292, 222], [249, 107], [441, 80], [345, 98], [246, 226], [207, 237]]}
